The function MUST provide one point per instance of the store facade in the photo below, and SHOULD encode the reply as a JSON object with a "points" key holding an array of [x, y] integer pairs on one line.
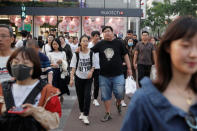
{"points": [[82, 19]]}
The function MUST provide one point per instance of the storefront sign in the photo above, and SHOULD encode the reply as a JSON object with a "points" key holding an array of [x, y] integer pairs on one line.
{"points": [[59, 11], [112, 12], [27, 27]]}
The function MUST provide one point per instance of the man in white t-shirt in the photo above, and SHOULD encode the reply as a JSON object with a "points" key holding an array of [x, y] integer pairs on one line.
{"points": [[6, 38], [47, 47], [95, 38], [73, 46], [22, 42]]}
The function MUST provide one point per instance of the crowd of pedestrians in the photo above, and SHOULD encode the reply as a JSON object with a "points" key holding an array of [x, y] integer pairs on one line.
{"points": [[35, 74]]}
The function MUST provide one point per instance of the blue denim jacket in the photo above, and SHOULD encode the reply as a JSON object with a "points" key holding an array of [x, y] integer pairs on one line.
{"points": [[149, 110]]}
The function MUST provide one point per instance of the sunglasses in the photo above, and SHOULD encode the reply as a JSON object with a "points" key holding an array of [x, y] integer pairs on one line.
{"points": [[191, 121]]}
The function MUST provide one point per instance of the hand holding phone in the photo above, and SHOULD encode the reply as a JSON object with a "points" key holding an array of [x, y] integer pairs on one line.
{"points": [[17, 110]]}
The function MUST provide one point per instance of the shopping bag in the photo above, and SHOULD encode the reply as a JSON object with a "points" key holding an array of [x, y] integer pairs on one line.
{"points": [[130, 85], [153, 73]]}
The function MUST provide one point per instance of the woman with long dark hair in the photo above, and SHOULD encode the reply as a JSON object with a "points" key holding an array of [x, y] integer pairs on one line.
{"points": [[170, 102], [59, 64]]}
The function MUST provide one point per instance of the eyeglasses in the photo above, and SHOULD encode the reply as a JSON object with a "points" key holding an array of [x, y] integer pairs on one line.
{"points": [[191, 121], [4, 36]]}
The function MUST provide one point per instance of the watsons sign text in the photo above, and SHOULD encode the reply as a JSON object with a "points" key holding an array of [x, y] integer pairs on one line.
{"points": [[112, 12]]}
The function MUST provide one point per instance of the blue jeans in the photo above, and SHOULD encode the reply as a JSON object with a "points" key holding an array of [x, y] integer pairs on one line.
{"points": [[114, 84]]}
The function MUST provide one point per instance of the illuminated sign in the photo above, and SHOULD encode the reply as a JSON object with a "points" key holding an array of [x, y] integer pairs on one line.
{"points": [[112, 12]]}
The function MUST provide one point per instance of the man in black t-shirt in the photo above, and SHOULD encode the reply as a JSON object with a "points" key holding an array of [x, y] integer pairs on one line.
{"points": [[111, 78]]}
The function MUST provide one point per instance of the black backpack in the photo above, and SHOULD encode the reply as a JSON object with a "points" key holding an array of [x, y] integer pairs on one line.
{"points": [[77, 55], [14, 122], [24, 42]]}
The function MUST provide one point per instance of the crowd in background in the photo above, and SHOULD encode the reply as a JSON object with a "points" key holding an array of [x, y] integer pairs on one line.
{"points": [[59, 62]]}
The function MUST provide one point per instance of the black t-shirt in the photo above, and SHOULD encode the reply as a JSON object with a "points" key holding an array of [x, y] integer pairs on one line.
{"points": [[110, 55]]}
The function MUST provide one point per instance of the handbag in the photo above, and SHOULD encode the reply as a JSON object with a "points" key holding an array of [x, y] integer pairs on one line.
{"points": [[130, 86]]}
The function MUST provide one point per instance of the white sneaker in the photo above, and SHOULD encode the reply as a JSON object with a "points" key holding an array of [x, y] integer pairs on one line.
{"points": [[81, 116], [123, 104], [95, 102], [85, 120]]}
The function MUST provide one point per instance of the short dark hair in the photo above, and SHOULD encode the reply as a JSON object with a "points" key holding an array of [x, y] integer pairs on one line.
{"points": [[74, 37], [129, 31], [58, 42], [145, 32], [24, 33], [53, 29], [182, 28], [30, 54], [8, 27], [82, 38], [95, 33], [60, 36], [51, 35], [106, 27]]}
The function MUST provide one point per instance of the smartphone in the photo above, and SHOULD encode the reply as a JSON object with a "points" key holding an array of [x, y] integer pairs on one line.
{"points": [[17, 110]]}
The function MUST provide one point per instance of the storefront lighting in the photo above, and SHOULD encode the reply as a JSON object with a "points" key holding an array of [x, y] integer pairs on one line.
{"points": [[43, 19], [97, 19], [110, 20], [16, 19]]}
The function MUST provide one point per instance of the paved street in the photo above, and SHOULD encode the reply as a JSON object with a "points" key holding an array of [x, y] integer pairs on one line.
{"points": [[66, 108], [70, 113]]}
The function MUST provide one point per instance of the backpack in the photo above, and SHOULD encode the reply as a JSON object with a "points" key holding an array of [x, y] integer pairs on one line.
{"points": [[68, 52], [24, 43], [77, 55], [14, 122]]}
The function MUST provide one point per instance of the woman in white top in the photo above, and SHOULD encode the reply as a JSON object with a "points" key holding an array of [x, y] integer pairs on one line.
{"points": [[27, 103], [59, 65], [47, 47], [83, 63]]}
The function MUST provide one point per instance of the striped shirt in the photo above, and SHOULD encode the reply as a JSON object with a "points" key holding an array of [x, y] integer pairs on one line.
{"points": [[45, 65]]}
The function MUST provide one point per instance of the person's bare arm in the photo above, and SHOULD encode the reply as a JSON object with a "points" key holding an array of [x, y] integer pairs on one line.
{"points": [[135, 59], [154, 57], [50, 77], [128, 63], [72, 76]]}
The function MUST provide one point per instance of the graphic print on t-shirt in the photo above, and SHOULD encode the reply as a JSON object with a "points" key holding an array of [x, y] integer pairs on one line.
{"points": [[84, 65], [109, 53], [4, 75]]}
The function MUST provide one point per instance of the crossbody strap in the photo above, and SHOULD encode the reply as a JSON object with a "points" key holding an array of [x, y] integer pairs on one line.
{"points": [[36, 90], [7, 93]]}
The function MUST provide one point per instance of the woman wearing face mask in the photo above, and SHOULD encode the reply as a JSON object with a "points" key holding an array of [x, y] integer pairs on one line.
{"points": [[129, 45], [170, 102], [83, 63], [59, 64], [27, 103]]}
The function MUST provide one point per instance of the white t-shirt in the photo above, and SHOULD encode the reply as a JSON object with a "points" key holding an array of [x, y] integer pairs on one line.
{"points": [[46, 49], [84, 65], [20, 93], [73, 47], [55, 56], [19, 43], [97, 65], [4, 75], [66, 40]]}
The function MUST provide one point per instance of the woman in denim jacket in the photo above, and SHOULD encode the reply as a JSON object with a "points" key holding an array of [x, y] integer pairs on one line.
{"points": [[170, 102]]}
